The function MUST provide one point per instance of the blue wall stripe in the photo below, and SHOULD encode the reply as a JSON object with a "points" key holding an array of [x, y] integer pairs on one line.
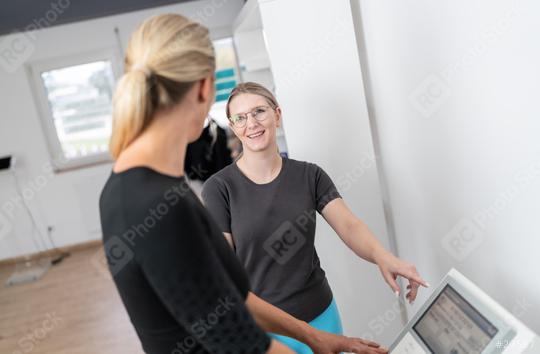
{"points": [[225, 73], [225, 85]]}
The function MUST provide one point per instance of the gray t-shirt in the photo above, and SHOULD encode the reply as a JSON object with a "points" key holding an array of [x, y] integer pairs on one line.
{"points": [[273, 228]]}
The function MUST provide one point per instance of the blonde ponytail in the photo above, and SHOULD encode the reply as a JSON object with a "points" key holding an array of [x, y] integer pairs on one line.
{"points": [[131, 110], [166, 55]]}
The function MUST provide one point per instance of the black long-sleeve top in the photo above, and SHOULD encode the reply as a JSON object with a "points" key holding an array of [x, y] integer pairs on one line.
{"points": [[181, 284]]}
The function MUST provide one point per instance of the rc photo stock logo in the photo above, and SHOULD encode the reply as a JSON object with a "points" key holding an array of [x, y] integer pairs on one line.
{"points": [[430, 95], [15, 50], [469, 232], [5, 226], [114, 256], [284, 243], [463, 239]]}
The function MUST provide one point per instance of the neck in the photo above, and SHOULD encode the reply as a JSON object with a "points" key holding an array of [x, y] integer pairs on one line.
{"points": [[162, 146], [261, 165]]}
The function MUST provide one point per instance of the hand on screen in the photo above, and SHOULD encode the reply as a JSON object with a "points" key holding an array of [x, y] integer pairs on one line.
{"points": [[391, 267], [328, 343]]}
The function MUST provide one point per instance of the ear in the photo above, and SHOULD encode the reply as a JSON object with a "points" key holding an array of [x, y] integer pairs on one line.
{"points": [[278, 116], [206, 89]]}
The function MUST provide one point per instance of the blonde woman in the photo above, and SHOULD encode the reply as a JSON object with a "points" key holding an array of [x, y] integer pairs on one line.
{"points": [[183, 288], [265, 205]]}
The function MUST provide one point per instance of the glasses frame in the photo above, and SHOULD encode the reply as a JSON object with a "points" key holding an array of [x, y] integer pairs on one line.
{"points": [[252, 115]]}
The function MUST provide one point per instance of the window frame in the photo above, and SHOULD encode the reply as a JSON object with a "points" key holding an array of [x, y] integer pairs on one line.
{"points": [[34, 71]]}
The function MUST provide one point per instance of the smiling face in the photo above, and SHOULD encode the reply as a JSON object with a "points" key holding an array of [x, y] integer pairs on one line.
{"points": [[256, 134]]}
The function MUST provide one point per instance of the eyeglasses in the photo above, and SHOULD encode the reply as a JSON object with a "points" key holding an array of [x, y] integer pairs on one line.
{"points": [[258, 113]]}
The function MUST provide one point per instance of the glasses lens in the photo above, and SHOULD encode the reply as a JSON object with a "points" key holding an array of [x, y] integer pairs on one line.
{"points": [[259, 113], [238, 120]]}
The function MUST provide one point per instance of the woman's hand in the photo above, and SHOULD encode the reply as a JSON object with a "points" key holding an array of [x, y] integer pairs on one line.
{"points": [[391, 267], [275, 320], [327, 343]]}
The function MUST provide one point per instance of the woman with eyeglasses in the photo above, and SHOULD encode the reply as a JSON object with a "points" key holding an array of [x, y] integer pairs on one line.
{"points": [[266, 207], [182, 286]]}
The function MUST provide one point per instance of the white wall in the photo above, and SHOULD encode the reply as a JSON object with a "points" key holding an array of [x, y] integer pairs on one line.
{"points": [[455, 87], [312, 50], [68, 201], [253, 58]]}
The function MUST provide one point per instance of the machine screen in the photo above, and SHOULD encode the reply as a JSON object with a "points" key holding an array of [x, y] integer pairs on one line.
{"points": [[452, 326]]}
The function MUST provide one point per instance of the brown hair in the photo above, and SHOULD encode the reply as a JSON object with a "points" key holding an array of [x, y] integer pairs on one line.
{"points": [[165, 56], [255, 89]]}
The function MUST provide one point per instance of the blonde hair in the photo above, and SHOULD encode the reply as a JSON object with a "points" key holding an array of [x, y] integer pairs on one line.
{"points": [[255, 89], [165, 56]]}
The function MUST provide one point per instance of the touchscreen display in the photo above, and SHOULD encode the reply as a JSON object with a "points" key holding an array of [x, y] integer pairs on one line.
{"points": [[452, 326]]}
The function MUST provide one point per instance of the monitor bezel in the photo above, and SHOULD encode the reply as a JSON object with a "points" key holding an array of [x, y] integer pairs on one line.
{"points": [[474, 296], [448, 286]]}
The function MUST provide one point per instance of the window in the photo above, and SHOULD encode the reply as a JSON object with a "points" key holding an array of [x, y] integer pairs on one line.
{"points": [[227, 78], [75, 100], [74, 97]]}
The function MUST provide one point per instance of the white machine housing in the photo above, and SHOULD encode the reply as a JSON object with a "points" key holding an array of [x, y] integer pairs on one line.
{"points": [[456, 308]]}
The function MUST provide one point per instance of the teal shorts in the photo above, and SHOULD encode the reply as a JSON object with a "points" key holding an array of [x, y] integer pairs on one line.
{"points": [[328, 321]]}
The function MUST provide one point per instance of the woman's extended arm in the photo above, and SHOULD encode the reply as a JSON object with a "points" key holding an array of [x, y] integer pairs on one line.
{"points": [[357, 236], [275, 320]]}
